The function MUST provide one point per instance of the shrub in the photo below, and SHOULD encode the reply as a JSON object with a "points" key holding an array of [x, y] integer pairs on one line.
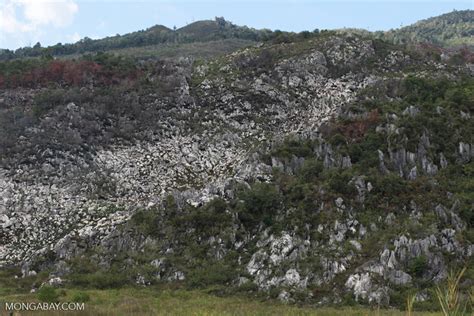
{"points": [[212, 274], [311, 170], [146, 222], [207, 220], [100, 280], [338, 182], [294, 147], [81, 297], [392, 185], [364, 154], [48, 100], [419, 90], [48, 294], [259, 204], [337, 140], [417, 266], [390, 188]]}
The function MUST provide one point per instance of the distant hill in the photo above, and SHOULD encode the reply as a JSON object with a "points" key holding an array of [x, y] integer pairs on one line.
{"points": [[452, 29], [200, 31], [210, 38]]}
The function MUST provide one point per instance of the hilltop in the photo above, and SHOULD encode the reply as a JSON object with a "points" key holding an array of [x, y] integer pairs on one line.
{"points": [[212, 38], [452, 29], [156, 37]]}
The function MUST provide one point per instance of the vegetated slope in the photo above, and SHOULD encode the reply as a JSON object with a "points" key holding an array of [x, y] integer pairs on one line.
{"points": [[161, 36], [452, 29], [197, 50], [325, 170], [214, 37]]}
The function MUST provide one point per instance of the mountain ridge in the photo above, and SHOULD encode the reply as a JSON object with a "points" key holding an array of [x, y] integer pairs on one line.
{"points": [[451, 29], [458, 33], [199, 31]]}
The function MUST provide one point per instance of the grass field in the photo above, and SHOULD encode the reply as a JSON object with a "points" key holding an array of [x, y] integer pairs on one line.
{"points": [[149, 301]]}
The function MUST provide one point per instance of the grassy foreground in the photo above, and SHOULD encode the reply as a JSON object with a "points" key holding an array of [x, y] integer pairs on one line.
{"points": [[148, 301]]}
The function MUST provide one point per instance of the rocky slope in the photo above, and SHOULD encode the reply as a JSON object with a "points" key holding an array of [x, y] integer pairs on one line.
{"points": [[313, 170]]}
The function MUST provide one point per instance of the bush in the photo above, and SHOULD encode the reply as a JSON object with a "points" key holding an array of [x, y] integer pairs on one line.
{"points": [[100, 280], [338, 182], [419, 90], [208, 274], [146, 222], [337, 140], [311, 170], [81, 297], [294, 147], [364, 154], [208, 220], [48, 100], [417, 266], [259, 204], [48, 294], [87, 274], [391, 185], [391, 189]]}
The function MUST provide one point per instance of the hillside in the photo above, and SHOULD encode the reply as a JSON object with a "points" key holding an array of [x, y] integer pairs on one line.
{"points": [[452, 29], [328, 169], [213, 38], [156, 37]]}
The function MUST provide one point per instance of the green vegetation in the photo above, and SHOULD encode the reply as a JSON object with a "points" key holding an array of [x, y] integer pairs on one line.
{"points": [[417, 266], [80, 297], [260, 204], [87, 274], [208, 38], [450, 298], [209, 274], [292, 200], [410, 301], [48, 294], [450, 29], [292, 147], [175, 301], [10, 285], [303, 191], [198, 50], [309, 188], [100, 86], [200, 31]]}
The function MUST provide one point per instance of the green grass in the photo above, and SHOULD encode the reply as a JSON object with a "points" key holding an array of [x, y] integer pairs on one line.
{"points": [[204, 50], [153, 301]]}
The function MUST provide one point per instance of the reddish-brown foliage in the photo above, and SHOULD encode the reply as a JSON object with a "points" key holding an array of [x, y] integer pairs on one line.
{"points": [[429, 47], [355, 130], [467, 54], [70, 73]]}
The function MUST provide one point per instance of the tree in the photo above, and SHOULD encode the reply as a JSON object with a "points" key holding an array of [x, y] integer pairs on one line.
{"points": [[221, 22]]}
